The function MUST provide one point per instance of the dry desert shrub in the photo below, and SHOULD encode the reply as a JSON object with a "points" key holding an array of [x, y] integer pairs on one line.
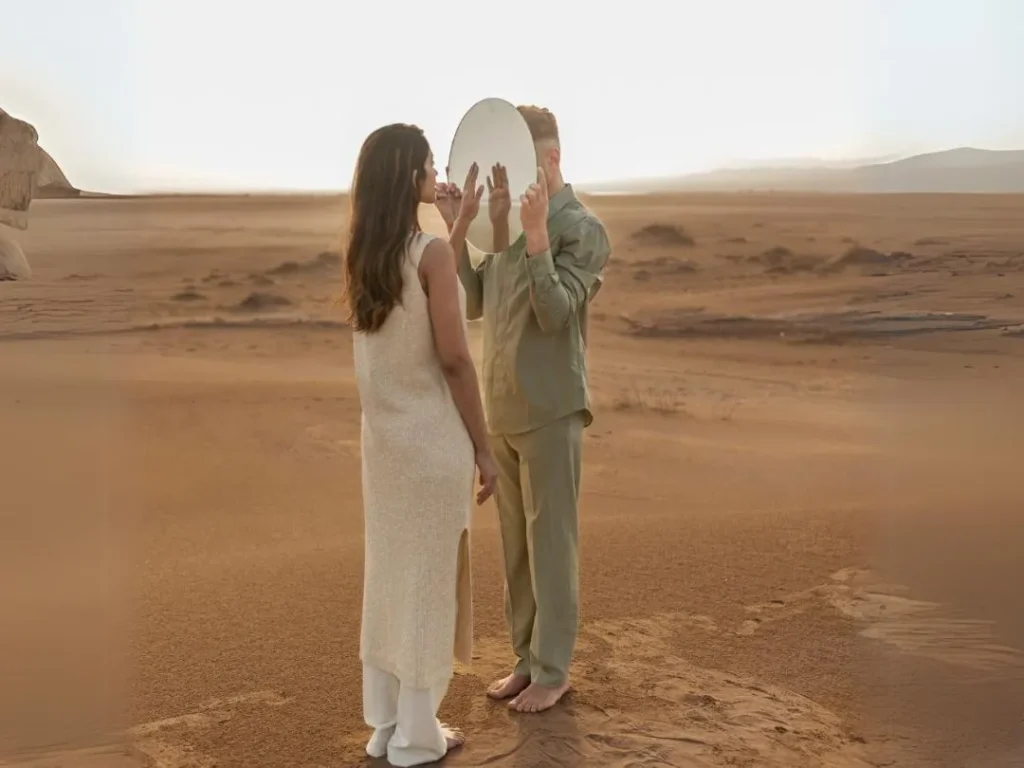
{"points": [[663, 236], [664, 265], [859, 256], [634, 399], [780, 260], [188, 295], [258, 302], [322, 262]]}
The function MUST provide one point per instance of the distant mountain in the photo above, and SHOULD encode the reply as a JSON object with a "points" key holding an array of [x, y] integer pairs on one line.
{"points": [[957, 170], [805, 163], [963, 170]]}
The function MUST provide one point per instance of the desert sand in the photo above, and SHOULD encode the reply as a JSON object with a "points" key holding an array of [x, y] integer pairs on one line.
{"points": [[801, 517]]}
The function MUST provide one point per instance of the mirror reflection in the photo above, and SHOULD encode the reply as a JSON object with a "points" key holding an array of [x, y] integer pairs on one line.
{"points": [[495, 136]]}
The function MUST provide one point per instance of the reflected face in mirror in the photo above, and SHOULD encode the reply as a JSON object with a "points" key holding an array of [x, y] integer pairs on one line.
{"points": [[427, 181], [494, 135]]}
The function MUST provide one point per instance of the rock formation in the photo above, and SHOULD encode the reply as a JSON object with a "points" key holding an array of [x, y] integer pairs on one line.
{"points": [[19, 166], [13, 265], [51, 181], [26, 171]]}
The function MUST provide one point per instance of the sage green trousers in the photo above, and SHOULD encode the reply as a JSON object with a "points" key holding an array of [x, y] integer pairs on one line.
{"points": [[537, 498]]}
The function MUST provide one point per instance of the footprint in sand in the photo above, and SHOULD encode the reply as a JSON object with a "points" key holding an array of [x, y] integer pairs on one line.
{"points": [[671, 713], [910, 626]]}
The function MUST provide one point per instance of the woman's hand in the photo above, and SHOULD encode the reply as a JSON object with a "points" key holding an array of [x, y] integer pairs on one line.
{"points": [[448, 201], [488, 469]]}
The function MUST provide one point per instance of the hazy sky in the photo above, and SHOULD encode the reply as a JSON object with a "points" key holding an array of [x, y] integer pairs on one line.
{"points": [[139, 95]]}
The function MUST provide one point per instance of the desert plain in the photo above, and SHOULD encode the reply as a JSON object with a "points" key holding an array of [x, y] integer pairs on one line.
{"points": [[802, 539]]}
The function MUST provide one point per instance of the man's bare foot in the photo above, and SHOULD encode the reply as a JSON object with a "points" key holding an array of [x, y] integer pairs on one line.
{"points": [[507, 687], [453, 738], [537, 698]]}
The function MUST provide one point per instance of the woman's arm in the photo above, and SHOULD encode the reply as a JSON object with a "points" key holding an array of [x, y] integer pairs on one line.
{"points": [[471, 277], [437, 270]]}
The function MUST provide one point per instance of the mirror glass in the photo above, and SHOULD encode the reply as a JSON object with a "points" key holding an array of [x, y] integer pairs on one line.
{"points": [[493, 132]]}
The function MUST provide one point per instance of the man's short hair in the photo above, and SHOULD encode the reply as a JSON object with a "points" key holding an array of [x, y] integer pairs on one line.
{"points": [[542, 124]]}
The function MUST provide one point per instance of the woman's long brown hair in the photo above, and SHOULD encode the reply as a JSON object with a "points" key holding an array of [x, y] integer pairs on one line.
{"points": [[384, 200]]}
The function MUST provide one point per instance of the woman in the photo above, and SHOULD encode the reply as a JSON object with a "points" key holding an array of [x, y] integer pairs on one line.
{"points": [[423, 433]]}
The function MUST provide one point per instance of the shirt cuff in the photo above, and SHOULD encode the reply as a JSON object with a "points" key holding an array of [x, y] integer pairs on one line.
{"points": [[541, 265]]}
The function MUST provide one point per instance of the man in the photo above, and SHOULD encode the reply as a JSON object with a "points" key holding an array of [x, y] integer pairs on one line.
{"points": [[533, 297]]}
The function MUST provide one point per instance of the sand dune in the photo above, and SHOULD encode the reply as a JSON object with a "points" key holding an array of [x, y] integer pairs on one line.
{"points": [[801, 539]]}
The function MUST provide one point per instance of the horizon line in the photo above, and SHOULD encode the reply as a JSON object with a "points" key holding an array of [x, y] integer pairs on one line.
{"points": [[631, 185]]}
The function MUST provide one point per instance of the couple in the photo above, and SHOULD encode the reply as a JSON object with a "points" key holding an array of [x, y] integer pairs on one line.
{"points": [[425, 436]]}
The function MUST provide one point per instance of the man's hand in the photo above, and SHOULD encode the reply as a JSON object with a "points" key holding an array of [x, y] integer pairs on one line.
{"points": [[533, 215], [499, 201]]}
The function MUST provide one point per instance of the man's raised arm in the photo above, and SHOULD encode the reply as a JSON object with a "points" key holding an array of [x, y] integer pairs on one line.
{"points": [[562, 284]]}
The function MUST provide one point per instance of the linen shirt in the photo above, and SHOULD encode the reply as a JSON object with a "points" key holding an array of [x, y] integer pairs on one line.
{"points": [[534, 311]]}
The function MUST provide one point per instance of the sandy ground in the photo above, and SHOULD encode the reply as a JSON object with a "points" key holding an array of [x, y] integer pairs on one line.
{"points": [[801, 522]]}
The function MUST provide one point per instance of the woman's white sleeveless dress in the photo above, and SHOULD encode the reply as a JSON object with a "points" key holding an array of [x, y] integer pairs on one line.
{"points": [[417, 472]]}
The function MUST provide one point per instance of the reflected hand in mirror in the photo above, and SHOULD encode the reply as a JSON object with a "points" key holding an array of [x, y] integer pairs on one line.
{"points": [[470, 196], [499, 205]]}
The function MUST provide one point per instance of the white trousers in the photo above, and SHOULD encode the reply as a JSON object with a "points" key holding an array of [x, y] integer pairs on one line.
{"points": [[406, 728]]}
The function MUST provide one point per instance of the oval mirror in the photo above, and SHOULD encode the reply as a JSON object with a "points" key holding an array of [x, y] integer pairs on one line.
{"points": [[493, 133]]}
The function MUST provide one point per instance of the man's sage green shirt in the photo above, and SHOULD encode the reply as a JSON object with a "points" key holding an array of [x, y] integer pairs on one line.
{"points": [[534, 317]]}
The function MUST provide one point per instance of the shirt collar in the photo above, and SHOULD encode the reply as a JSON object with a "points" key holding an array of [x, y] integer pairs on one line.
{"points": [[562, 198]]}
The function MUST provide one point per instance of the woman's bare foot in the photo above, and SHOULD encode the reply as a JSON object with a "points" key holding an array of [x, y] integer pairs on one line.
{"points": [[537, 698], [453, 738], [507, 687]]}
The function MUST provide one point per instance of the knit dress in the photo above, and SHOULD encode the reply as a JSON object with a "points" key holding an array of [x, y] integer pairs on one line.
{"points": [[417, 472]]}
